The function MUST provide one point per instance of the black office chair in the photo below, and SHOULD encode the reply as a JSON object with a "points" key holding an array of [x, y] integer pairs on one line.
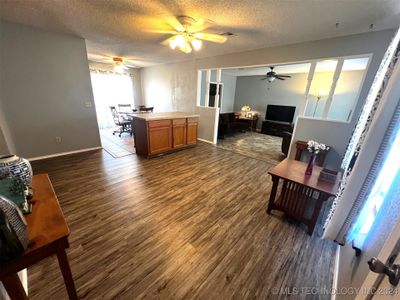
{"points": [[125, 108], [123, 124], [143, 108]]}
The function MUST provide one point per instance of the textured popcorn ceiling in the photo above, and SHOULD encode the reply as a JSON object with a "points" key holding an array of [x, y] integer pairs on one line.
{"points": [[124, 28]]}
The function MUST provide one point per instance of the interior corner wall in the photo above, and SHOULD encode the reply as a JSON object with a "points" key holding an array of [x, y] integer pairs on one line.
{"points": [[228, 93], [4, 138], [4, 150], [173, 86], [46, 91]]}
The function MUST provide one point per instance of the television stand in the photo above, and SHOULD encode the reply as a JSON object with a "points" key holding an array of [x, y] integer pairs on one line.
{"points": [[276, 128]]}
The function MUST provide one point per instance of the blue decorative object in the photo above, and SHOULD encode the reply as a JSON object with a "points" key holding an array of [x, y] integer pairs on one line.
{"points": [[14, 166]]}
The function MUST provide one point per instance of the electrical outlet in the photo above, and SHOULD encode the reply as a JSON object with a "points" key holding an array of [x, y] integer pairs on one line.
{"points": [[58, 139], [88, 104]]}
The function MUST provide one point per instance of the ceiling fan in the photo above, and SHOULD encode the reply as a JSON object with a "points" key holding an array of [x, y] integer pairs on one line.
{"points": [[271, 76], [120, 63], [187, 34]]}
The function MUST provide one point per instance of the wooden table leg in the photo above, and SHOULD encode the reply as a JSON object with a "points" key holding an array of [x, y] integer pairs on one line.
{"points": [[66, 272], [275, 181], [14, 287]]}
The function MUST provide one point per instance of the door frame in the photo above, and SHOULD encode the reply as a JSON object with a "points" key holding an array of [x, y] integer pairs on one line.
{"points": [[390, 247]]}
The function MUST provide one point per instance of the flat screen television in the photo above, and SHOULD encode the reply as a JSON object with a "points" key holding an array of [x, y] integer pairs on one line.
{"points": [[280, 113]]}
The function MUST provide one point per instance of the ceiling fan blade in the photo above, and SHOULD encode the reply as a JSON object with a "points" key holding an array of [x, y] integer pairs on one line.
{"points": [[130, 65], [200, 25], [280, 78], [174, 23], [215, 38], [286, 76], [99, 58], [265, 78], [163, 31]]}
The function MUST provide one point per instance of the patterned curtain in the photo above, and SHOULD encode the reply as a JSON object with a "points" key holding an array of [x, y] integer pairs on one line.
{"points": [[361, 129]]}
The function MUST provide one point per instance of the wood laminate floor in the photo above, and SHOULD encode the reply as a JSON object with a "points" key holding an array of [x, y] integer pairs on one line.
{"points": [[255, 145], [190, 225]]}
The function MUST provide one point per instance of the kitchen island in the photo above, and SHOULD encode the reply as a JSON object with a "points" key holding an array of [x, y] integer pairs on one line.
{"points": [[161, 133]]}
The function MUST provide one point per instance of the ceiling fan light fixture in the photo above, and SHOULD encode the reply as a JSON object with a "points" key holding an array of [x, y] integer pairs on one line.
{"points": [[172, 43], [119, 68], [270, 79], [186, 47], [197, 44], [180, 41]]}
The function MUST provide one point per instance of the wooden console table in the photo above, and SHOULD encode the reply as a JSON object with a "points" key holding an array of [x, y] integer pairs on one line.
{"points": [[48, 235], [251, 121], [301, 196]]}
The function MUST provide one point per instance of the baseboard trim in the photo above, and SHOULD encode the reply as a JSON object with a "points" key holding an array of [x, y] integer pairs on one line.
{"points": [[205, 141], [335, 273], [64, 153]]}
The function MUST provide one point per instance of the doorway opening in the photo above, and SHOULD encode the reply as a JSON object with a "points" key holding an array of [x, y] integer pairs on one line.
{"points": [[114, 101], [258, 109]]}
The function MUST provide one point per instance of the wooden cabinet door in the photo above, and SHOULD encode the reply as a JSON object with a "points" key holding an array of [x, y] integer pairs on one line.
{"points": [[178, 133], [192, 132], [160, 136]]}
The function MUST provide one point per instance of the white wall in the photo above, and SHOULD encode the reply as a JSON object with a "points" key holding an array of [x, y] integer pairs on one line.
{"points": [[170, 87], [257, 93], [206, 129], [174, 86], [228, 93], [332, 133], [45, 91], [3, 144]]}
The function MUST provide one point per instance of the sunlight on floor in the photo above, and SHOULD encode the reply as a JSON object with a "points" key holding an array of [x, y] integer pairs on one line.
{"points": [[117, 146]]}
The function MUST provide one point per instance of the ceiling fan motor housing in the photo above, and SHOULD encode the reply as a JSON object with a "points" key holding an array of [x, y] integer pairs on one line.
{"points": [[117, 60]]}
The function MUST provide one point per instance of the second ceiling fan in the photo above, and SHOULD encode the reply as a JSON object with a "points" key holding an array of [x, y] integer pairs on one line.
{"points": [[271, 76]]}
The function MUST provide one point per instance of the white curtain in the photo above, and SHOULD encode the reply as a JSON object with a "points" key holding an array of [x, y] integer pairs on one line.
{"points": [[110, 89]]}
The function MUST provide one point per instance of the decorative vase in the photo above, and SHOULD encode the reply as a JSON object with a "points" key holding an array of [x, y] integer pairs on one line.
{"points": [[15, 166], [13, 230], [310, 165]]}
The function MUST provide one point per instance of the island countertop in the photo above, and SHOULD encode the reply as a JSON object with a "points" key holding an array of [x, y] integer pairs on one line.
{"points": [[164, 115]]}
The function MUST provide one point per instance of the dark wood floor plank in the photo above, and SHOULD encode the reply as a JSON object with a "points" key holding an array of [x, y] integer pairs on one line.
{"points": [[190, 225]]}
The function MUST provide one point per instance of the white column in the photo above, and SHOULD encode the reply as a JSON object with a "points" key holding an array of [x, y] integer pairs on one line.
{"points": [[308, 86], [207, 92], [219, 75], [335, 79]]}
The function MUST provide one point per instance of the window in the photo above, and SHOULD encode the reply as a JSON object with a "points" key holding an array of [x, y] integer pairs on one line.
{"points": [[320, 87], [347, 89], [335, 88], [210, 88]]}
